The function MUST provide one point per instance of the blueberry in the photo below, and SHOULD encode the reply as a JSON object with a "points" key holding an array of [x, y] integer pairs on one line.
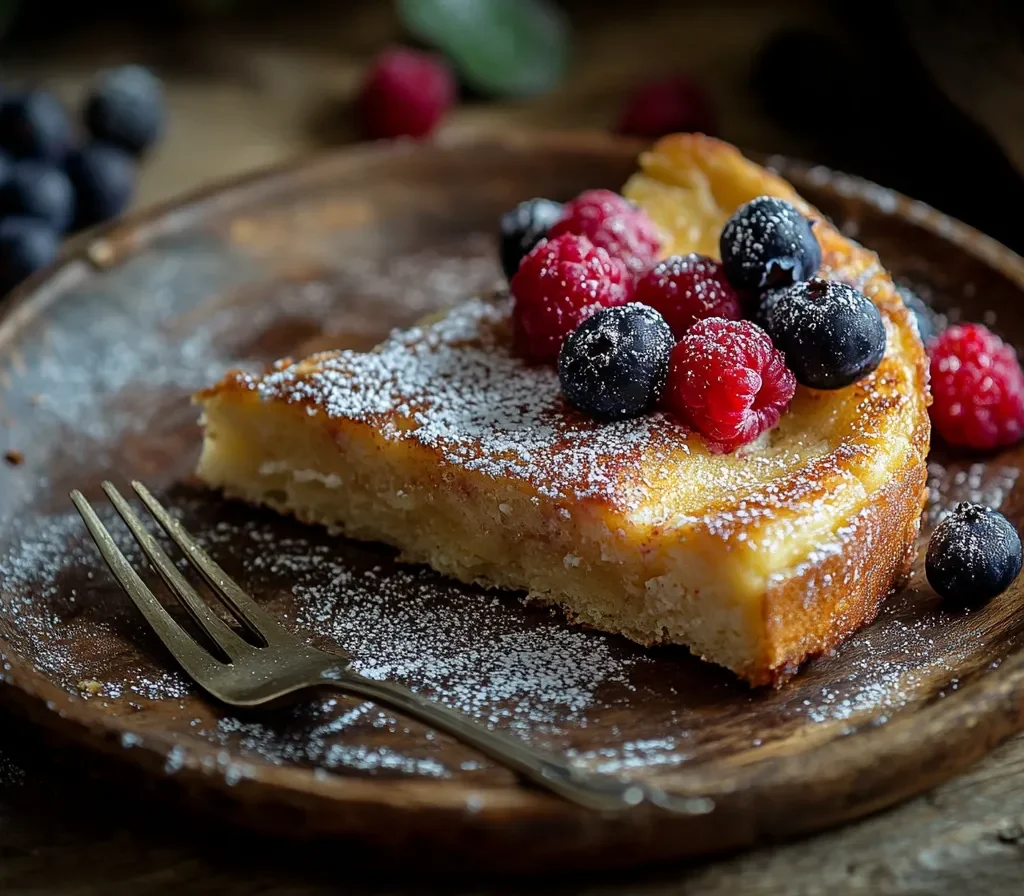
{"points": [[26, 245], [927, 325], [39, 190], [614, 365], [104, 180], [125, 108], [35, 124], [973, 555], [768, 244], [831, 334], [524, 227]]}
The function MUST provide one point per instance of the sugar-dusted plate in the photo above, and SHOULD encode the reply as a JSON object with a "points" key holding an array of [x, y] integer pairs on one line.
{"points": [[97, 362]]}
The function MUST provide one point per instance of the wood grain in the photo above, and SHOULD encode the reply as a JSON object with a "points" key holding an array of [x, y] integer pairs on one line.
{"points": [[342, 249], [247, 97]]}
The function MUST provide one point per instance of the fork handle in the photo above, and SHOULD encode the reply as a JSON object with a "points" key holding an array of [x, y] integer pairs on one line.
{"points": [[594, 791]]}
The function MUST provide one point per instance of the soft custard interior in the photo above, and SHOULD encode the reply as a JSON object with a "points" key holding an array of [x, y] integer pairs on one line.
{"points": [[604, 571], [695, 557]]}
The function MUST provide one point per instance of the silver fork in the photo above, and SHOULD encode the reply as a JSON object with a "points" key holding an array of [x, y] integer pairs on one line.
{"points": [[280, 664]]}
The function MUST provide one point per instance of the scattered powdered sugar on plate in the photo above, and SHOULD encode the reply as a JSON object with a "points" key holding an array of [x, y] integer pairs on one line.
{"points": [[511, 666], [881, 679], [12, 775], [44, 618], [131, 348], [423, 280], [410, 625], [988, 484]]}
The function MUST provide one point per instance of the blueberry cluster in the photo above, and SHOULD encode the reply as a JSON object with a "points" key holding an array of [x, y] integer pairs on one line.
{"points": [[54, 181], [831, 334]]}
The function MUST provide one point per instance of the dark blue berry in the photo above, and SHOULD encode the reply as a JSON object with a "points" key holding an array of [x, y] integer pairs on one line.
{"points": [[973, 555], [614, 365], [768, 244], [35, 125], [831, 334], [927, 324], [125, 108], [104, 181], [26, 245], [39, 190], [524, 227]]}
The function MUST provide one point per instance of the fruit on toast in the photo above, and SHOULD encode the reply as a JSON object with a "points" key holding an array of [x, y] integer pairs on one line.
{"points": [[447, 443]]}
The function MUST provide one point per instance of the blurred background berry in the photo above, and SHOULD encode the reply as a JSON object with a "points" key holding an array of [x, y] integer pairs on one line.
{"points": [[65, 166], [131, 103]]}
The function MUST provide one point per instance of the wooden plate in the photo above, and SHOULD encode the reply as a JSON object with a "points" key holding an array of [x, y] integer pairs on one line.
{"points": [[97, 361]]}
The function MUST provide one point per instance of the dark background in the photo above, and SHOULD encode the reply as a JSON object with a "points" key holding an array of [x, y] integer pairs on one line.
{"points": [[921, 95]]}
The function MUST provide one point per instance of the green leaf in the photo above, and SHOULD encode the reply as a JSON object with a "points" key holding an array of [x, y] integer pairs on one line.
{"points": [[500, 47]]}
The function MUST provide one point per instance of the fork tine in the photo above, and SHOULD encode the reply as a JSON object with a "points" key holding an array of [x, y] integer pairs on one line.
{"points": [[259, 622], [194, 659], [215, 627]]}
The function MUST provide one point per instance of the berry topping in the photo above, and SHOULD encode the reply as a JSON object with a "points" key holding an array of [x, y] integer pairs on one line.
{"points": [[686, 289], [831, 334], [977, 388], [26, 245], [104, 180], [522, 228], [559, 284], [614, 364], [125, 108], [768, 244], [38, 190], [927, 324], [667, 105], [728, 382], [614, 224], [35, 125], [406, 94], [973, 555]]}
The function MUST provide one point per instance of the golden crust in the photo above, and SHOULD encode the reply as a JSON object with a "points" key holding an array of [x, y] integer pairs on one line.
{"points": [[823, 516]]}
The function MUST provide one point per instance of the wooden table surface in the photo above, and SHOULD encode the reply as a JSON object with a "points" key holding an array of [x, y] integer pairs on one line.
{"points": [[245, 97]]}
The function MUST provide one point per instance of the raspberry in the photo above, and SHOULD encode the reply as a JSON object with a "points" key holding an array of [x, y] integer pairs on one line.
{"points": [[686, 289], [614, 224], [728, 382], [559, 284], [977, 387], [406, 93], [674, 103]]}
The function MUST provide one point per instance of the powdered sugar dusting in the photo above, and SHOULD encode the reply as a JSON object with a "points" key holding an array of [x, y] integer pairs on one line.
{"points": [[605, 702], [977, 483], [455, 387], [530, 679]]}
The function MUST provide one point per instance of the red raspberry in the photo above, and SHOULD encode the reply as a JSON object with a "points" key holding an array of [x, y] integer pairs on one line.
{"points": [[728, 382], [614, 224], [687, 288], [667, 105], [405, 94], [977, 387], [560, 283]]}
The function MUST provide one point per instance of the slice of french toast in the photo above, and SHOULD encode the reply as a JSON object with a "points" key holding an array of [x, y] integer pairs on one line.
{"points": [[444, 444]]}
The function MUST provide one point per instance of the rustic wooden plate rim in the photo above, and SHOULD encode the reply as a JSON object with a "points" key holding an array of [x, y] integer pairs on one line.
{"points": [[885, 753]]}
